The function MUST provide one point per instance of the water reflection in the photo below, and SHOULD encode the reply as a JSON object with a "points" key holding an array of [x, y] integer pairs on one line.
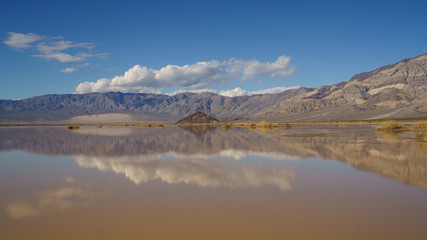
{"points": [[128, 182], [70, 195], [144, 154], [106, 131], [204, 172], [199, 130]]}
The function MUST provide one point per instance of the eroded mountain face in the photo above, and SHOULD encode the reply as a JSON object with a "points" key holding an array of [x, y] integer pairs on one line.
{"points": [[131, 107], [398, 90]]}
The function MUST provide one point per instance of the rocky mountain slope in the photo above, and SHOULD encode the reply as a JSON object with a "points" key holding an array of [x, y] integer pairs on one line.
{"points": [[394, 91], [143, 107]]}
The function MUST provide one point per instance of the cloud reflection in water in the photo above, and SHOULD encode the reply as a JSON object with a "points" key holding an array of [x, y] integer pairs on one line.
{"points": [[204, 171], [51, 201]]}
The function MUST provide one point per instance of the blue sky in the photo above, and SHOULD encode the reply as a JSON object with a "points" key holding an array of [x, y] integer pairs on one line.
{"points": [[175, 46]]}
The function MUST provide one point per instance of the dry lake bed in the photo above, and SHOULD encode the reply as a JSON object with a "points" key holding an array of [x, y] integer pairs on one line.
{"points": [[306, 182]]}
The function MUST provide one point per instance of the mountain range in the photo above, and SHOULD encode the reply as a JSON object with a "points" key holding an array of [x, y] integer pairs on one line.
{"points": [[394, 91]]}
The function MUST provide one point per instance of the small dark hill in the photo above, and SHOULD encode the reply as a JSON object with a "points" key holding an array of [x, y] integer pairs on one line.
{"points": [[198, 117]]}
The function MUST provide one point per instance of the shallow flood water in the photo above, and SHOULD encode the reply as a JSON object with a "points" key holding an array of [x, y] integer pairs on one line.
{"points": [[307, 182]]}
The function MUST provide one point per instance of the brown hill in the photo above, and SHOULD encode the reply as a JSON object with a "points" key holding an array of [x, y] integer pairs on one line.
{"points": [[198, 117]]}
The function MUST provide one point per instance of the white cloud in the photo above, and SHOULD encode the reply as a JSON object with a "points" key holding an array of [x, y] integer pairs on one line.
{"points": [[194, 77], [21, 40], [272, 90], [69, 70], [192, 91], [103, 85], [247, 70], [83, 65], [53, 48], [240, 92], [74, 68], [63, 57], [235, 92], [61, 46], [144, 79]]}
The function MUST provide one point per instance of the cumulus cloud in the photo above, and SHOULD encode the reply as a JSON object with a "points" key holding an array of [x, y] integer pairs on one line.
{"points": [[53, 48], [233, 92], [144, 79], [194, 77], [247, 70]]}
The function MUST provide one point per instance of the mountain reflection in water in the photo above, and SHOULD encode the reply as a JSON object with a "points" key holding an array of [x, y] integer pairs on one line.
{"points": [[181, 155]]}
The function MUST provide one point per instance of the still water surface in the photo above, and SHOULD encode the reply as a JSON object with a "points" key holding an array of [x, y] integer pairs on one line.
{"points": [[307, 182]]}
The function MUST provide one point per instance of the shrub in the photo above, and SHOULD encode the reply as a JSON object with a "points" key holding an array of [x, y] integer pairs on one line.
{"points": [[72, 127], [390, 125], [225, 127]]}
